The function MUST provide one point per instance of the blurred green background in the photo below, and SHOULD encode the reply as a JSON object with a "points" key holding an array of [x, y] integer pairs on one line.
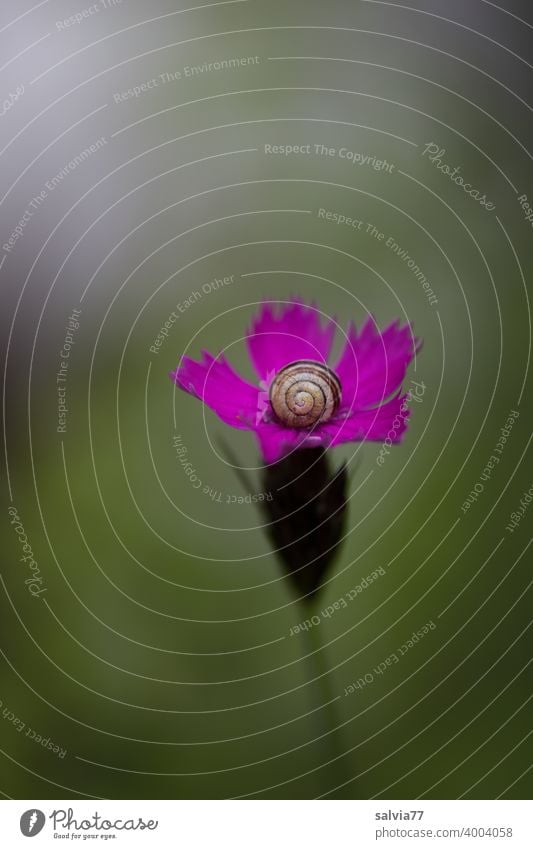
{"points": [[159, 659]]}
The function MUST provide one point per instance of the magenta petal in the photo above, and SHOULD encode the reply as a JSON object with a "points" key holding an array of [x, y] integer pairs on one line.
{"points": [[373, 364], [274, 340], [389, 421], [276, 440], [215, 383]]}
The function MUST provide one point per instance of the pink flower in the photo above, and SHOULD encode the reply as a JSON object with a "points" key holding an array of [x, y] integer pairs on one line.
{"points": [[301, 401]]}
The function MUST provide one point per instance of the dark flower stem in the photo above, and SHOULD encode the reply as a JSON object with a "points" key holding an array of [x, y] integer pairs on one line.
{"points": [[319, 672]]}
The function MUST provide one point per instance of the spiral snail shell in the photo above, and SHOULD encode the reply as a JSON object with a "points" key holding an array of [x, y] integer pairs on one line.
{"points": [[305, 393]]}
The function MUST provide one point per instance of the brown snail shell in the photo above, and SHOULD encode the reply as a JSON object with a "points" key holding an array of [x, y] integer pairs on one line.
{"points": [[305, 393]]}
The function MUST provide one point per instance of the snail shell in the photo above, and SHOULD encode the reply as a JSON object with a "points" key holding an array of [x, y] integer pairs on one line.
{"points": [[305, 393]]}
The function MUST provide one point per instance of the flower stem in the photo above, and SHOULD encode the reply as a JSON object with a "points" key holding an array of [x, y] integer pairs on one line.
{"points": [[321, 675]]}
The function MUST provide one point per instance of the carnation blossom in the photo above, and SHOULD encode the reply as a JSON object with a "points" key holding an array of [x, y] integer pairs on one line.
{"points": [[301, 399]]}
